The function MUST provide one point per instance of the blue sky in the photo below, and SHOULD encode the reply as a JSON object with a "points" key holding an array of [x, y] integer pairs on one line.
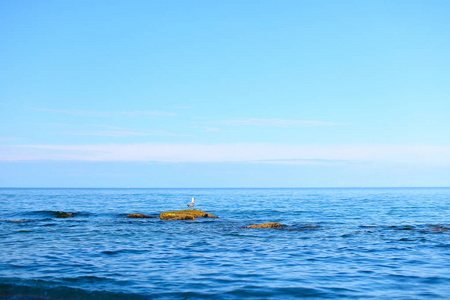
{"points": [[224, 93]]}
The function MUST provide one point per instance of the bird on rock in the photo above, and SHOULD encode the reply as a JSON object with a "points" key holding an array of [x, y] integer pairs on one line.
{"points": [[191, 204]]}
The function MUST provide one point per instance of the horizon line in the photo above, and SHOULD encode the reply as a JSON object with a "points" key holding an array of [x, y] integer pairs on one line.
{"points": [[312, 187]]}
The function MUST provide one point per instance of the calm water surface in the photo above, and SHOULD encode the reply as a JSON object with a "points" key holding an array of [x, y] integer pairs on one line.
{"points": [[334, 243]]}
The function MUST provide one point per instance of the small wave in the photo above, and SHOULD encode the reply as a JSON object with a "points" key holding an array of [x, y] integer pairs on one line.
{"points": [[43, 291], [402, 227], [265, 293], [352, 234], [369, 226], [120, 251], [407, 240], [436, 228], [89, 279], [300, 227], [15, 221], [24, 231]]}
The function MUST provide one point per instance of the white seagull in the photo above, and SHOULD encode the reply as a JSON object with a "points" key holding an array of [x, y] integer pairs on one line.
{"points": [[191, 205]]}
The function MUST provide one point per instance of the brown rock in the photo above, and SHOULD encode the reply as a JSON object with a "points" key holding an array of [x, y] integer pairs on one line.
{"points": [[265, 225], [186, 214], [63, 214], [138, 216], [440, 228]]}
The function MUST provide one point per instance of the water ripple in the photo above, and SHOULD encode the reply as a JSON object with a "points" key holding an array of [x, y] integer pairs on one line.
{"points": [[333, 243]]}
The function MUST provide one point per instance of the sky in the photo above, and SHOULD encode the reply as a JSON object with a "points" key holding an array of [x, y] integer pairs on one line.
{"points": [[224, 93]]}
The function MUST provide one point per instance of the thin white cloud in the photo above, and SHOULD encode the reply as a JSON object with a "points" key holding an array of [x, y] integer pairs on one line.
{"points": [[324, 162], [94, 113], [277, 122], [145, 113], [437, 156], [112, 133], [125, 133], [80, 125]]}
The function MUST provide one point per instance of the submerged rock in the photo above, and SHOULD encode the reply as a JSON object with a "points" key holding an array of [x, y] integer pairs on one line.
{"points": [[138, 216], [264, 225], [15, 221], [439, 228], [186, 214], [63, 214]]}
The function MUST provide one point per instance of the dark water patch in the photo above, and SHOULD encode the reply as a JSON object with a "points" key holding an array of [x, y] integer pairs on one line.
{"points": [[351, 234], [419, 228], [301, 292], [206, 220], [402, 227], [185, 295], [121, 215], [241, 235], [49, 224], [92, 280], [16, 221], [435, 280], [57, 214], [301, 227], [123, 251], [17, 266], [258, 292], [369, 226], [46, 292], [439, 228], [408, 240], [23, 231]]}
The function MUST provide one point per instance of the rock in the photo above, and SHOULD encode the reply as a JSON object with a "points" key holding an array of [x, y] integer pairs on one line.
{"points": [[439, 228], [14, 221], [265, 225], [186, 214], [138, 216], [63, 214]]}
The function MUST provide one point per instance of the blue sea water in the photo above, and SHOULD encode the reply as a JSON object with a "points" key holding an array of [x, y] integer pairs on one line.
{"points": [[334, 243]]}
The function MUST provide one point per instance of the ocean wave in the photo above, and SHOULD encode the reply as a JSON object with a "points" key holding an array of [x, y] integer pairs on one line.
{"points": [[45, 291]]}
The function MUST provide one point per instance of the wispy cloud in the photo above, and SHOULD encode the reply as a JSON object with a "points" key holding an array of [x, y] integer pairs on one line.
{"points": [[125, 133], [112, 131], [145, 113], [277, 122], [95, 113], [79, 125], [324, 162], [437, 156]]}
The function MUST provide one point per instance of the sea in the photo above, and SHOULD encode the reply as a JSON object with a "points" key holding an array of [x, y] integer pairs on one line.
{"points": [[355, 243]]}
